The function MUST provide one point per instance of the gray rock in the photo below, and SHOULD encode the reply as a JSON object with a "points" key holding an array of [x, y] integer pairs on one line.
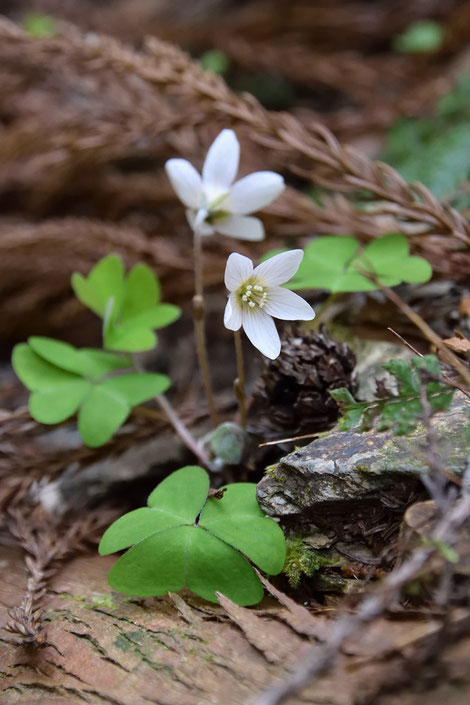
{"points": [[354, 474]]}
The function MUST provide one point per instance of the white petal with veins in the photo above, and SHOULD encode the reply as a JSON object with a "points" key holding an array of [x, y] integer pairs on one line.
{"points": [[185, 181], [280, 268], [255, 191], [237, 270], [221, 165], [243, 227], [261, 331], [232, 314], [287, 306]]}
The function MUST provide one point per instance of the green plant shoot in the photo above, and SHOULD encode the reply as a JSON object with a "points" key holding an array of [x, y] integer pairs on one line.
{"points": [[184, 538], [130, 307], [399, 411]]}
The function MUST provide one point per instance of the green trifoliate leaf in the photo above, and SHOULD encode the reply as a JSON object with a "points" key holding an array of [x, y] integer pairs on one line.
{"points": [[185, 539], [67, 380], [105, 281], [340, 264]]}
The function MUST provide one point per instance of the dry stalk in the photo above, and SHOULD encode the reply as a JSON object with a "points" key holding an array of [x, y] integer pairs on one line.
{"points": [[315, 150]]}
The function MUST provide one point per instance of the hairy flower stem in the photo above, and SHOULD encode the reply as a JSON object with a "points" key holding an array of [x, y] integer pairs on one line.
{"points": [[239, 383], [199, 328], [182, 431]]}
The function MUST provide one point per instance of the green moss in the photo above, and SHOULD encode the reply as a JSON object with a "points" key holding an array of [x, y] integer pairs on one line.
{"points": [[91, 603], [301, 560]]}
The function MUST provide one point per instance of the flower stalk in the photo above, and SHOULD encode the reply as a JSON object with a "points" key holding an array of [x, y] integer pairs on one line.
{"points": [[239, 383], [199, 326]]}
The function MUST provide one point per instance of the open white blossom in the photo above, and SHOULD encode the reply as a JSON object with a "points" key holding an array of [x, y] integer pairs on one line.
{"points": [[256, 296], [214, 203]]}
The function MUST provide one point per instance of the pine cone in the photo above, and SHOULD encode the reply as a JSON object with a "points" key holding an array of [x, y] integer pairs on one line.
{"points": [[291, 397]]}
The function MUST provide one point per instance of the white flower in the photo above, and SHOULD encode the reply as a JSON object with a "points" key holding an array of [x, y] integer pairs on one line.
{"points": [[256, 296], [216, 204]]}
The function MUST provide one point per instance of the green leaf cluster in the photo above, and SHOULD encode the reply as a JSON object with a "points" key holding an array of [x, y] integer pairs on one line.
{"points": [[184, 538], [402, 410], [130, 306], [435, 150], [63, 380], [337, 263]]}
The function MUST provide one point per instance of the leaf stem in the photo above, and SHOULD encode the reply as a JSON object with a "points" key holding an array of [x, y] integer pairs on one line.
{"points": [[239, 382], [172, 415], [199, 328], [182, 430]]}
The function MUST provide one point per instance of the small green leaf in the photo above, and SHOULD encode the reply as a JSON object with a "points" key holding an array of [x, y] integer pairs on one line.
{"points": [[141, 292], [238, 520], [183, 493], [136, 526], [58, 403], [101, 414], [129, 338], [136, 388], [105, 281], [36, 373], [409, 384]]}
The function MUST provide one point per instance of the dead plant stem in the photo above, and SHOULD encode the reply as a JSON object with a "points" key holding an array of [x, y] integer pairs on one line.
{"points": [[427, 331]]}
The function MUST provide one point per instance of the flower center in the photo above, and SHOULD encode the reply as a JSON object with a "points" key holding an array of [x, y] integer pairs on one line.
{"points": [[252, 295]]}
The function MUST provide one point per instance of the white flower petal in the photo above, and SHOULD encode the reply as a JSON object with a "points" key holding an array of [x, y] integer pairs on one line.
{"points": [[241, 226], [185, 180], [203, 228], [288, 306], [221, 165], [280, 268], [261, 331], [237, 270], [255, 191], [232, 314]]}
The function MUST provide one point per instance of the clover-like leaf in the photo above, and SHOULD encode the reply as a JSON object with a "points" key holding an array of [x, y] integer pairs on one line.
{"points": [[131, 328], [64, 380], [340, 264], [105, 281], [130, 308], [185, 539]]}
